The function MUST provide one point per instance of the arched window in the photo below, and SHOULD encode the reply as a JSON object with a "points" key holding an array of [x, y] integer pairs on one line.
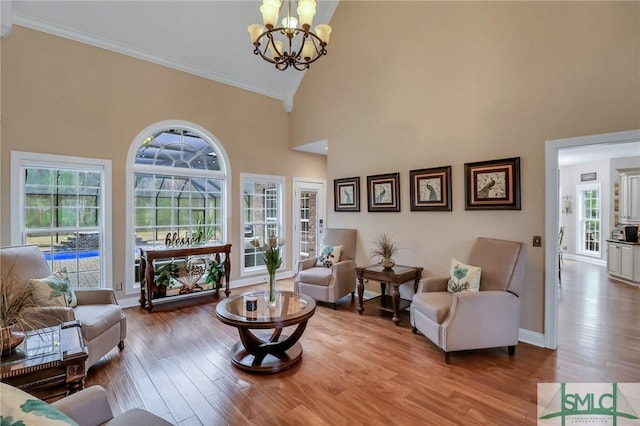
{"points": [[178, 182]]}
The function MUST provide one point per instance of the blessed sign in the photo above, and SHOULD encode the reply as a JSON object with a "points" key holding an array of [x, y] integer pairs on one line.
{"points": [[173, 240]]}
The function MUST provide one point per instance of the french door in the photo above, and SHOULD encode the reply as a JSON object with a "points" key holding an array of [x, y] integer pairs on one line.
{"points": [[308, 218]]}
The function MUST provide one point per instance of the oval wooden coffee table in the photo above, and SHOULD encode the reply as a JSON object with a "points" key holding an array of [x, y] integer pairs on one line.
{"points": [[264, 352]]}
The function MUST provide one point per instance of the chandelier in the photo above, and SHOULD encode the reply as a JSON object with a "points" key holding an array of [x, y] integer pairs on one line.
{"points": [[293, 44]]}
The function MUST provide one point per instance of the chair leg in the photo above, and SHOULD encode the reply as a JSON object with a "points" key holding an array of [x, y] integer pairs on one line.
{"points": [[121, 345], [446, 357], [335, 306], [353, 295], [512, 350]]}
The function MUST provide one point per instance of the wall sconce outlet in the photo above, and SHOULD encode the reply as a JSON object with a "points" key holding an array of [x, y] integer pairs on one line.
{"points": [[537, 241]]}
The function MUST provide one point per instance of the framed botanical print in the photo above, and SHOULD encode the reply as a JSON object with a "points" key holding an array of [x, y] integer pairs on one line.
{"points": [[383, 192], [492, 185], [346, 194], [430, 189]]}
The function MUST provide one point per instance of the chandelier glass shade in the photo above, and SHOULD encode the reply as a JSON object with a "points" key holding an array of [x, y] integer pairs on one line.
{"points": [[293, 44]]}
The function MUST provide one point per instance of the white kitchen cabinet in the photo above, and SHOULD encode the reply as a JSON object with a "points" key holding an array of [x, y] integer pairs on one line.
{"points": [[630, 197], [623, 260]]}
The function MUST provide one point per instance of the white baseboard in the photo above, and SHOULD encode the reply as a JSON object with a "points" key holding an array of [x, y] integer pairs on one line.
{"points": [[585, 259], [531, 337]]}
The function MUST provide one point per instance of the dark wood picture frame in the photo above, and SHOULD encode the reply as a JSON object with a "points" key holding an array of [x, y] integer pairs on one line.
{"points": [[430, 189], [383, 192], [492, 185], [346, 193]]}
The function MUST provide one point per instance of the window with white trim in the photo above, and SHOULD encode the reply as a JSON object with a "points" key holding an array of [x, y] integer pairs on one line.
{"points": [[61, 207], [179, 187], [588, 219], [262, 216]]}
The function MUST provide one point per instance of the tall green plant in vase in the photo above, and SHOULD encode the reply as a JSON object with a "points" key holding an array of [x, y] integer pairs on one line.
{"points": [[272, 260]]}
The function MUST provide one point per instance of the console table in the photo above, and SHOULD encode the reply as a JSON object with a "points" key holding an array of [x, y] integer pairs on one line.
{"points": [[396, 276], [147, 272], [48, 357]]}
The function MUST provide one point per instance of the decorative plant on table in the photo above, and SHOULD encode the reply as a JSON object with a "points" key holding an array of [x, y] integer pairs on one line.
{"points": [[164, 274], [16, 299], [272, 260], [216, 271], [384, 247]]}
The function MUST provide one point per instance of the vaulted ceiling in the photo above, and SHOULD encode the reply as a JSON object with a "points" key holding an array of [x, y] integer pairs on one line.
{"points": [[205, 38]]}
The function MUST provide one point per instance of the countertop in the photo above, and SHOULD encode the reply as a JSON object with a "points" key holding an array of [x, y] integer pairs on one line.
{"points": [[623, 242]]}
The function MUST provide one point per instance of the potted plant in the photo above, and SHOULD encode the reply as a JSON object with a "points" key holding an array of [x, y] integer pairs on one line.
{"points": [[386, 249], [216, 271], [16, 299], [164, 274]]}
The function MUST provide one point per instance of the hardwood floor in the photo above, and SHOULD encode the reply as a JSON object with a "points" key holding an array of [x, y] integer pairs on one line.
{"points": [[364, 370]]}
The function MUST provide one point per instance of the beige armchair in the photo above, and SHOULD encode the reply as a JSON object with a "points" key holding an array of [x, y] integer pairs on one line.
{"points": [[88, 407], [330, 284], [104, 324], [475, 319]]}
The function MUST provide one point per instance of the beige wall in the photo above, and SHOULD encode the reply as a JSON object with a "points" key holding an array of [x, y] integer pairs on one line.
{"points": [[66, 98], [429, 84]]}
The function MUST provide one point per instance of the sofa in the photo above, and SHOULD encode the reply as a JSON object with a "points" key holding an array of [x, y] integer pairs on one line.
{"points": [[89, 407], [104, 324]]}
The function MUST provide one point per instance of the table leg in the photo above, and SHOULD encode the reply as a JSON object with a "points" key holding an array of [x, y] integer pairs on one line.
{"points": [[396, 304], [360, 295], [143, 282], [276, 353], [149, 282], [227, 274]]}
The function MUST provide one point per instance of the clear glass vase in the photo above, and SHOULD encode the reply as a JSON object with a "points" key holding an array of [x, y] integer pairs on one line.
{"points": [[270, 293]]}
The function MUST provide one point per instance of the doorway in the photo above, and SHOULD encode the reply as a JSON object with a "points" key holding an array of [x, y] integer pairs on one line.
{"points": [[552, 207], [308, 217]]}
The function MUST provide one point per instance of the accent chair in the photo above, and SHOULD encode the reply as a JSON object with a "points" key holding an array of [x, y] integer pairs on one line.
{"points": [[481, 319], [330, 283], [104, 324]]}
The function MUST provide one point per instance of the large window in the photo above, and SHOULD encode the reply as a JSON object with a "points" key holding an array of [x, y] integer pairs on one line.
{"points": [[61, 205], [589, 219], [262, 205], [178, 187]]}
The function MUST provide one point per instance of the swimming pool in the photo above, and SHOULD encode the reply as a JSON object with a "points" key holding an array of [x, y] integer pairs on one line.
{"points": [[66, 255]]}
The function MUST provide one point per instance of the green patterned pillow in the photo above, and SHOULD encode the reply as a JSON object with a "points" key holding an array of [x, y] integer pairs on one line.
{"points": [[329, 255], [55, 290], [18, 408], [463, 277]]}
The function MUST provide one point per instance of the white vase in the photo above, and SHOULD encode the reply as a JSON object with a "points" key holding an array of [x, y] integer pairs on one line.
{"points": [[388, 263]]}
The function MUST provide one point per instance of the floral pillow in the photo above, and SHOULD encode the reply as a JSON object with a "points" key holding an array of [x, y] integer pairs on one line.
{"points": [[18, 408], [55, 290], [329, 255], [463, 277]]}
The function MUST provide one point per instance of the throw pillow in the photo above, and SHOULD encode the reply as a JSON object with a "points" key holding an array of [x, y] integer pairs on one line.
{"points": [[329, 255], [55, 290], [463, 277], [20, 408]]}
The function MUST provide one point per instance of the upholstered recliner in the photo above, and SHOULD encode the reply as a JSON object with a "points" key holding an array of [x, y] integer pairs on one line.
{"points": [[103, 322], [475, 319], [329, 284]]}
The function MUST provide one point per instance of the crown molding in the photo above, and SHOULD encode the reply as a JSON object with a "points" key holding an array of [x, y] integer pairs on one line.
{"points": [[81, 37]]}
